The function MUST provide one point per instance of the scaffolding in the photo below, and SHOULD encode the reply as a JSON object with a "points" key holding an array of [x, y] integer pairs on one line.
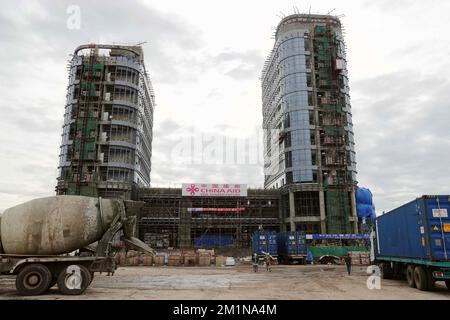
{"points": [[110, 101], [183, 220], [331, 101], [83, 177]]}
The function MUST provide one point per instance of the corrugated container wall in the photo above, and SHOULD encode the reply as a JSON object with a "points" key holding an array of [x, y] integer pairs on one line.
{"points": [[419, 229]]}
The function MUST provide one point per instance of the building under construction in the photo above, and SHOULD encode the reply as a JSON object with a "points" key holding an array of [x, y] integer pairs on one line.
{"points": [[309, 145], [171, 219], [107, 133]]}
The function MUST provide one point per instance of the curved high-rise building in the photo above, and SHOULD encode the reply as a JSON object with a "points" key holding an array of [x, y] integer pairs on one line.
{"points": [[107, 133], [309, 145]]}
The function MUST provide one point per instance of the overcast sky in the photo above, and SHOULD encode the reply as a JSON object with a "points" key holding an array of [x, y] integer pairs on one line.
{"points": [[205, 59]]}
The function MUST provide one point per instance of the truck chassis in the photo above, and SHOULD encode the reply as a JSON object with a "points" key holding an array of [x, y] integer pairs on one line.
{"points": [[36, 274], [420, 274]]}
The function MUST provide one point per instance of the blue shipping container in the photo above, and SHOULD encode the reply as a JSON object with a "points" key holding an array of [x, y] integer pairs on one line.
{"points": [[265, 242], [292, 243], [419, 229]]}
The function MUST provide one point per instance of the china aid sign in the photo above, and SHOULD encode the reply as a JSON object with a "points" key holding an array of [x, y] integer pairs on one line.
{"points": [[214, 190]]}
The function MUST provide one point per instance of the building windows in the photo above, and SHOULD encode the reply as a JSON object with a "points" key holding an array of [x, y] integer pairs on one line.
{"points": [[119, 174], [296, 100], [307, 203], [127, 94], [301, 176], [308, 227], [297, 119], [121, 154], [300, 158], [294, 82], [123, 133], [124, 113]]}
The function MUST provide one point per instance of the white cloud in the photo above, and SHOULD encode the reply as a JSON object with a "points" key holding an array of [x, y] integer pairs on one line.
{"points": [[205, 58]]}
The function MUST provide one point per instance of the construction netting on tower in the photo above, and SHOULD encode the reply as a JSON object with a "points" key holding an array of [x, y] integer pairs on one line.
{"points": [[337, 181]]}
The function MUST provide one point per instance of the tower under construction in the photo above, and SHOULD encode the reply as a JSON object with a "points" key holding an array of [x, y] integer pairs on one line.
{"points": [[107, 133], [309, 146]]}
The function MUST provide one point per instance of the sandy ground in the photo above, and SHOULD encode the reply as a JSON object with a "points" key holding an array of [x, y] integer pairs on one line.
{"points": [[240, 282]]}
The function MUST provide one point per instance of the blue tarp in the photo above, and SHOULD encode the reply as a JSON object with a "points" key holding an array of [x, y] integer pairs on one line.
{"points": [[364, 204], [364, 196], [213, 240]]}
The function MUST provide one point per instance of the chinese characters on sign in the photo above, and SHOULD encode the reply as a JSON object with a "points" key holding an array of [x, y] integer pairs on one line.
{"points": [[214, 190]]}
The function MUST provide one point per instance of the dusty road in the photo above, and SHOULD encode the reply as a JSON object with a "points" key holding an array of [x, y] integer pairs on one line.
{"points": [[240, 282]]}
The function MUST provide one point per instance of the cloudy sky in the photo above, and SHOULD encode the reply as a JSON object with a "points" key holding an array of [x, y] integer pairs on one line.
{"points": [[205, 59]]}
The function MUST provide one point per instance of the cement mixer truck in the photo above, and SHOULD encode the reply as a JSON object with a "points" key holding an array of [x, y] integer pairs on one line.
{"points": [[38, 240]]}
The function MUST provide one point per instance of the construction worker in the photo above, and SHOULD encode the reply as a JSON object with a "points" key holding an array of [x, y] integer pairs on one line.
{"points": [[348, 263], [255, 262], [268, 260]]}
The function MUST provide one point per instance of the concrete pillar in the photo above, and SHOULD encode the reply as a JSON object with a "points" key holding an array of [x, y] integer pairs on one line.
{"points": [[282, 213], [239, 236], [323, 217], [353, 210], [184, 228], [291, 210]]}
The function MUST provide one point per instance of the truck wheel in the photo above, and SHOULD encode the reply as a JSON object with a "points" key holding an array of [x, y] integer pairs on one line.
{"points": [[386, 271], [410, 276], [33, 280], [420, 278], [74, 280]]}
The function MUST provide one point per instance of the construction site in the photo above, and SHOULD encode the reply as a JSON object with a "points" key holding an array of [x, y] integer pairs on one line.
{"points": [[310, 233]]}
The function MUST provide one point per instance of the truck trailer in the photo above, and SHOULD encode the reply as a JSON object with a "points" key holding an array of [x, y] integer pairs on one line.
{"points": [[292, 247], [42, 241], [413, 242]]}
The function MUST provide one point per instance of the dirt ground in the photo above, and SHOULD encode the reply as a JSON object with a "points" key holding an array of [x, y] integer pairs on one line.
{"points": [[316, 282]]}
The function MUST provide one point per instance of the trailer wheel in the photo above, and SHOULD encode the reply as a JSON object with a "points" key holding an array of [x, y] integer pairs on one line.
{"points": [[420, 278], [33, 280], [74, 280], [410, 276]]}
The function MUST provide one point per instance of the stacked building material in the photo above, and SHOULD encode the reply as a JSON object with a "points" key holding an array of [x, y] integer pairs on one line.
{"points": [[147, 260], [120, 258], [360, 257], [159, 260], [189, 260], [204, 259], [132, 258], [175, 258], [220, 261]]}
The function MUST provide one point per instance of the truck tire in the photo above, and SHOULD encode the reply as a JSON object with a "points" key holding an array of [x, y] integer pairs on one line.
{"points": [[386, 271], [410, 276], [70, 282], [420, 278], [33, 280]]}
